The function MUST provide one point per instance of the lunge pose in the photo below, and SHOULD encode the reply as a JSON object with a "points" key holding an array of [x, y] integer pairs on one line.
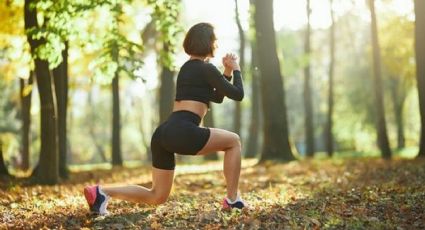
{"points": [[198, 84]]}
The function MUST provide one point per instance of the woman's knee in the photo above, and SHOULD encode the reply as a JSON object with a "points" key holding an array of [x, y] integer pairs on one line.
{"points": [[159, 198]]}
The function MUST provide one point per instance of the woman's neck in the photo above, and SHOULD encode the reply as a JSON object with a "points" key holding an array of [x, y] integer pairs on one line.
{"points": [[198, 58]]}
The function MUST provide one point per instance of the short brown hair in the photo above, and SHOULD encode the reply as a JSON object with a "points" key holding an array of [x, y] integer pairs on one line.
{"points": [[199, 40]]}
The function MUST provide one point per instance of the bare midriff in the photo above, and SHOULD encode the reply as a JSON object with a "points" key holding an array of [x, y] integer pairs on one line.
{"points": [[196, 107]]}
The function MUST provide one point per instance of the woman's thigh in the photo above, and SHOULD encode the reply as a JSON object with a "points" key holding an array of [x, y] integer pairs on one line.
{"points": [[219, 140]]}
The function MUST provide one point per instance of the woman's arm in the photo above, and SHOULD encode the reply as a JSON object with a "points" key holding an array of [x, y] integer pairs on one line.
{"points": [[222, 86]]}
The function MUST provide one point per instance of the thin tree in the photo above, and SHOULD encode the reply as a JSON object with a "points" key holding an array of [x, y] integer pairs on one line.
{"points": [[329, 126], [276, 140], [116, 115], [3, 168], [60, 76], [308, 106], [25, 98], [237, 119], [166, 90], [47, 171], [420, 67], [254, 126], [209, 122], [379, 99]]}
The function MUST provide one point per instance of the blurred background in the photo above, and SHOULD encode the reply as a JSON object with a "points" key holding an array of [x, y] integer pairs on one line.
{"points": [[87, 82]]}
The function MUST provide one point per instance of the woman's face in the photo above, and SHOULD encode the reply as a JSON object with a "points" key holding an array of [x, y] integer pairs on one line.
{"points": [[214, 47]]}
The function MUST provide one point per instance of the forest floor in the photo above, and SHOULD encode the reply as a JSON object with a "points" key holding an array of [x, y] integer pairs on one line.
{"points": [[363, 193]]}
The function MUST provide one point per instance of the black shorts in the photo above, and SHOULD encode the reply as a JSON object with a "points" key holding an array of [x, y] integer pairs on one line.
{"points": [[179, 134]]}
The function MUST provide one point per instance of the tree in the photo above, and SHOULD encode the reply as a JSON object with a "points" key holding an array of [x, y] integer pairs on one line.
{"points": [[25, 96], [379, 99], [238, 109], [166, 91], [308, 106], [47, 170], [209, 122], [254, 126], [420, 67], [60, 76], [276, 138], [3, 168], [397, 50], [329, 134]]}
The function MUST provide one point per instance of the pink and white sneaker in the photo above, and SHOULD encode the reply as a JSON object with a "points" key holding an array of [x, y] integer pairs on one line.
{"points": [[238, 203], [96, 199]]}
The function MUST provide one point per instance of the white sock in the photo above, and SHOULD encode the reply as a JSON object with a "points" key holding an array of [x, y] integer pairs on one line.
{"points": [[238, 198]]}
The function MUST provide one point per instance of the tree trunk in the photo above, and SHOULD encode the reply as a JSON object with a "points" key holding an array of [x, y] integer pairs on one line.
{"points": [[420, 67], [116, 123], [48, 166], [209, 122], [238, 109], [308, 106], [254, 126], [3, 168], [26, 95], [398, 96], [329, 134], [91, 108], [379, 98], [276, 139], [60, 75], [166, 92]]}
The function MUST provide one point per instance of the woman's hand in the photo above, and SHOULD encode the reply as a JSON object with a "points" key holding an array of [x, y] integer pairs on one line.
{"points": [[230, 62]]}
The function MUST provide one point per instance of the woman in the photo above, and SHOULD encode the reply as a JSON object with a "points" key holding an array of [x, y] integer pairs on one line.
{"points": [[198, 83]]}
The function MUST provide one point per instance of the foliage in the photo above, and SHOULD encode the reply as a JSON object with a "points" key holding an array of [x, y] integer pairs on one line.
{"points": [[331, 194], [165, 15]]}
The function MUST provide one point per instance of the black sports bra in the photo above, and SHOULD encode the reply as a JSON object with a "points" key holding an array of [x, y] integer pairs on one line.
{"points": [[201, 81]]}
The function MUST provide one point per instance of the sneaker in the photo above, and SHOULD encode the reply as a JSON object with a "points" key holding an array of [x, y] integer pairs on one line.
{"points": [[238, 203], [96, 199]]}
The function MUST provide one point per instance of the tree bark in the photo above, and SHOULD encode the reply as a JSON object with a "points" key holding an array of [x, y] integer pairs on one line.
{"points": [[3, 168], [209, 122], [308, 106], [420, 67], [166, 92], [26, 95], [60, 75], [276, 139], [116, 123], [398, 98], [379, 98], [48, 167], [237, 121], [329, 134], [254, 126]]}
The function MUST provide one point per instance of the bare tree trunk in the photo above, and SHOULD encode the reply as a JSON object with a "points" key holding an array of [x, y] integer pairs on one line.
{"points": [[26, 95], [254, 126], [398, 95], [276, 138], [238, 109], [166, 91], [420, 67], [209, 122], [48, 168], [329, 126], [116, 123], [3, 168], [308, 106], [60, 76], [379, 98], [99, 147]]}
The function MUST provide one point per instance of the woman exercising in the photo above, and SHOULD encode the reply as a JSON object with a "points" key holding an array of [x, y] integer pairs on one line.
{"points": [[198, 83]]}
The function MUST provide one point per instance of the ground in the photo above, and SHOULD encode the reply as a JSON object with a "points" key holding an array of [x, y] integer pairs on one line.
{"points": [[363, 193]]}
